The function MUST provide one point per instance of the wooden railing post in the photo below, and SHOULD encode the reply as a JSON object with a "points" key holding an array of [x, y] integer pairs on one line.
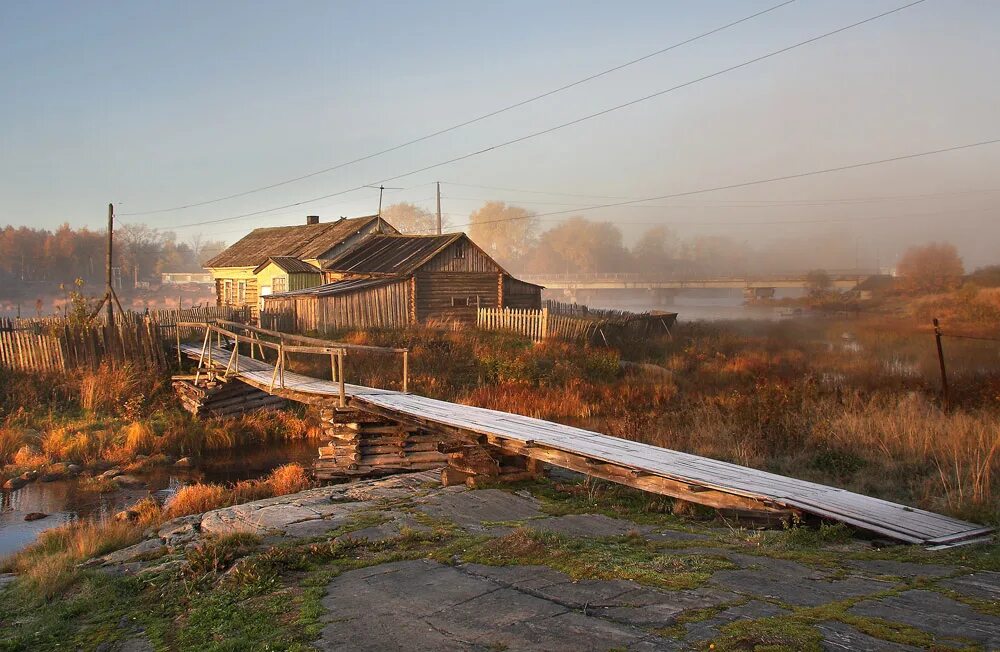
{"points": [[406, 370], [340, 376]]}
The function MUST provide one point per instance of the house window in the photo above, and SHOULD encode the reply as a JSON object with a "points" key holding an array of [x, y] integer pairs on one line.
{"points": [[459, 251], [279, 284], [463, 302], [227, 292], [241, 292]]}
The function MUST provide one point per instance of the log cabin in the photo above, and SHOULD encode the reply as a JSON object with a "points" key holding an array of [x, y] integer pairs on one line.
{"points": [[282, 258], [393, 281]]}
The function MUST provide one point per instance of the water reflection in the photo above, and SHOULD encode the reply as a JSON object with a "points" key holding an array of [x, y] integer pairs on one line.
{"points": [[67, 500]]}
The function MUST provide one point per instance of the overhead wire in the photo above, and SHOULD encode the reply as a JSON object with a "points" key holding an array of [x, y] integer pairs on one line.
{"points": [[466, 123], [569, 123]]}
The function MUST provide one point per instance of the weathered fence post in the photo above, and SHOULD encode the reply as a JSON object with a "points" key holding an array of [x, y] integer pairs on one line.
{"points": [[944, 375]]}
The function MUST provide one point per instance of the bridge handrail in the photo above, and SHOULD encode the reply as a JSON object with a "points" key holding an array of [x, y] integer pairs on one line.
{"points": [[287, 343]]}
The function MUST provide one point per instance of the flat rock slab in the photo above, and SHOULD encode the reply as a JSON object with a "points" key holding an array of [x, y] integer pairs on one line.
{"points": [[937, 614], [392, 528], [586, 525], [621, 601], [476, 510], [424, 605], [792, 583], [841, 637], [316, 511], [6, 579], [901, 568], [706, 630], [146, 548], [981, 584]]}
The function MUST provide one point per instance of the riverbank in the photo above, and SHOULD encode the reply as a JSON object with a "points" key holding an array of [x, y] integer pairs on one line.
{"points": [[560, 564]]}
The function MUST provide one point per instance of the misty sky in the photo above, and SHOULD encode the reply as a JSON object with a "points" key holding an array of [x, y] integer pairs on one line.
{"points": [[155, 104]]}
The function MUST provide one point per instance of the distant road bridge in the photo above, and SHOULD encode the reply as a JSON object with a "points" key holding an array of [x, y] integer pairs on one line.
{"points": [[840, 279], [664, 287]]}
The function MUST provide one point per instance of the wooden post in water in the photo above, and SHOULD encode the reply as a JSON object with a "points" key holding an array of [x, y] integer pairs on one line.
{"points": [[945, 401]]}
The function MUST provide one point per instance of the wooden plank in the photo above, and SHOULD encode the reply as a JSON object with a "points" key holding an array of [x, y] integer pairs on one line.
{"points": [[673, 473]]}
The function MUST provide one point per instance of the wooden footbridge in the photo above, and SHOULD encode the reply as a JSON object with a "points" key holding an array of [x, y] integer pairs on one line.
{"points": [[369, 424]]}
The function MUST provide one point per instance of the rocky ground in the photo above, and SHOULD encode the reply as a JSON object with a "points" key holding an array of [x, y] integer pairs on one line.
{"points": [[403, 563]]}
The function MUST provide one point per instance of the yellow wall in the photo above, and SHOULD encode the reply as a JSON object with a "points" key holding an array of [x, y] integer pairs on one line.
{"points": [[295, 281]]}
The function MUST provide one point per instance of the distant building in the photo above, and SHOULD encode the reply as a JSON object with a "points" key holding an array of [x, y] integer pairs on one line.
{"points": [[393, 281], [176, 278], [278, 259]]}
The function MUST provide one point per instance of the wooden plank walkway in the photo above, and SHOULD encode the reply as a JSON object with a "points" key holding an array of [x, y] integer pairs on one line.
{"points": [[695, 478]]}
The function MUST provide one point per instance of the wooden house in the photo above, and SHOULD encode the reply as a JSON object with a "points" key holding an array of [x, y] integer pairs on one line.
{"points": [[283, 258], [392, 281]]}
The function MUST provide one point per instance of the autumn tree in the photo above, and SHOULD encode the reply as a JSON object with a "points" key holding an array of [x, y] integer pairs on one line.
{"points": [[580, 245], [410, 218], [818, 281], [507, 233], [934, 267], [655, 250]]}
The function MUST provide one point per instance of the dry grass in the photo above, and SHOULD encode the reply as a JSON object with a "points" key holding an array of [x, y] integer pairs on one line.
{"points": [[105, 389], [48, 567]]}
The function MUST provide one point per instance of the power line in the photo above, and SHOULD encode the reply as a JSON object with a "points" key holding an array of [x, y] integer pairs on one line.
{"points": [[745, 184], [473, 120], [821, 220], [721, 203], [565, 124]]}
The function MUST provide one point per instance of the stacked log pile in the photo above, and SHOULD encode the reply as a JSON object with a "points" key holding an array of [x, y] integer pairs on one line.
{"points": [[213, 397], [363, 444]]}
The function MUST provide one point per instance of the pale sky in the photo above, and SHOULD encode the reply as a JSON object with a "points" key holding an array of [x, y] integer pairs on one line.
{"points": [[157, 104]]}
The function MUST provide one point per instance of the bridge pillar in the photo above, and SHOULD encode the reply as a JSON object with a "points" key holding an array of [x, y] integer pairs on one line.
{"points": [[755, 293], [664, 296]]}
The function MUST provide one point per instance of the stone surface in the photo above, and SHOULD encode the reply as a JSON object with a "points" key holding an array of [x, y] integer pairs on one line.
{"points": [[141, 549], [586, 525], [791, 582], [180, 530], [900, 568], [129, 481], [391, 529], [5, 579], [841, 637], [706, 630], [423, 605], [984, 585], [621, 601], [932, 612], [35, 516], [477, 510], [13, 484], [184, 463]]}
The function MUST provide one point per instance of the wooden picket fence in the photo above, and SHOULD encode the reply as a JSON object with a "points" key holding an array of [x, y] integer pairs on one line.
{"points": [[531, 323], [58, 344], [30, 352], [573, 322]]}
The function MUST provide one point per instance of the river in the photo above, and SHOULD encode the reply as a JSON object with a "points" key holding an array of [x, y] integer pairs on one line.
{"points": [[63, 500]]}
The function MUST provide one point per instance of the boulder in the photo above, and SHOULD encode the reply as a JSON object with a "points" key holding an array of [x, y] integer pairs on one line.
{"points": [[184, 463], [112, 473], [127, 515], [29, 476], [14, 484], [35, 516], [74, 469], [54, 472], [129, 481]]}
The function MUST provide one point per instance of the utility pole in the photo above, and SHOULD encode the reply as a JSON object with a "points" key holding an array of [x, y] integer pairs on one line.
{"points": [[111, 229], [439, 208], [381, 189], [110, 297]]}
